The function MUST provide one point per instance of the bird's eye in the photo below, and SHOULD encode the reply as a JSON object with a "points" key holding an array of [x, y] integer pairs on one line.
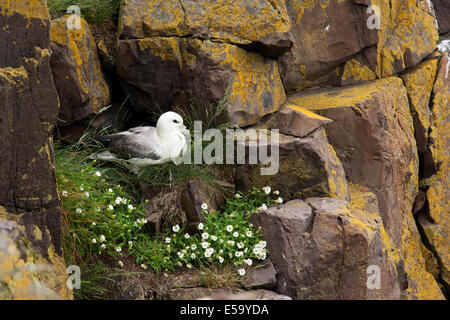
{"points": [[176, 121]]}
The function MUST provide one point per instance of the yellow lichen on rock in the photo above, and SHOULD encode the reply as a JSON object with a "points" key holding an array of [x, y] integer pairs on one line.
{"points": [[232, 22], [419, 83], [399, 37], [76, 65], [29, 9]]}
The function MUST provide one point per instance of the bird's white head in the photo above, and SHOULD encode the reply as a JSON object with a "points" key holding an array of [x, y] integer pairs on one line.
{"points": [[170, 123]]}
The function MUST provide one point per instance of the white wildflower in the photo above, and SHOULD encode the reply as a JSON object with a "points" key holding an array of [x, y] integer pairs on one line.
{"points": [[240, 245], [110, 208], [209, 252], [205, 235], [78, 210], [237, 196], [94, 241], [102, 238], [267, 190], [205, 245], [194, 247], [118, 249], [235, 234], [130, 207], [204, 206], [143, 266], [176, 228], [180, 254], [200, 226], [64, 193], [221, 259], [248, 233], [213, 238], [187, 236], [279, 200], [118, 200], [241, 272], [248, 262], [238, 253], [229, 228], [168, 240], [98, 174]]}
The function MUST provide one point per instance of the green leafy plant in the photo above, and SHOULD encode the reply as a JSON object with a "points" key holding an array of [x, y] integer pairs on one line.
{"points": [[225, 237]]}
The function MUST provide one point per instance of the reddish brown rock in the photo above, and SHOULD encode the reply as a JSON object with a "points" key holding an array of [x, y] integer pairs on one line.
{"points": [[322, 248], [294, 121], [325, 35], [166, 72], [261, 277], [28, 112], [76, 69], [419, 84], [372, 132], [307, 167], [334, 45], [442, 10], [435, 221], [262, 24], [192, 198], [199, 293]]}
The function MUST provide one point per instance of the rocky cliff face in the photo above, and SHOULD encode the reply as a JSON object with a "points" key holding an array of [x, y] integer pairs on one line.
{"points": [[28, 112], [356, 88]]}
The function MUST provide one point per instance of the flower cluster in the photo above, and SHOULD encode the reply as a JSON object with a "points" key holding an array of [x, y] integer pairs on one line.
{"points": [[223, 237], [103, 219]]}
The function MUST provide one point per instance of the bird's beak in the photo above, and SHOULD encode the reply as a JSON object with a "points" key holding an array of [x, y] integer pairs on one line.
{"points": [[185, 131]]}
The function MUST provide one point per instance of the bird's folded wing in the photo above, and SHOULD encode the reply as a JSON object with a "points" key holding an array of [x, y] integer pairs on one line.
{"points": [[139, 142]]}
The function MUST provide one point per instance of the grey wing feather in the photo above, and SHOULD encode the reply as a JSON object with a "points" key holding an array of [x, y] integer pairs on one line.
{"points": [[139, 142]]}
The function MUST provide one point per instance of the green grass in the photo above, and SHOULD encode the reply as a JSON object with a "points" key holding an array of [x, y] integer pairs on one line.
{"points": [[95, 11]]}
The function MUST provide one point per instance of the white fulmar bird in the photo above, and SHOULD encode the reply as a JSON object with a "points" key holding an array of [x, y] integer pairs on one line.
{"points": [[141, 147]]}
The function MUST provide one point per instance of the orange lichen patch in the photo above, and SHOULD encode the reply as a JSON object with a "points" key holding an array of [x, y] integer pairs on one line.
{"points": [[255, 86], [346, 96], [354, 70], [26, 275], [230, 21], [29, 8], [82, 52], [305, 111], [400, 21], [15, 76]]}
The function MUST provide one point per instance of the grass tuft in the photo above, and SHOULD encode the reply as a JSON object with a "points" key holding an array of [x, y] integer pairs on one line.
{"points": [[94, 11]]}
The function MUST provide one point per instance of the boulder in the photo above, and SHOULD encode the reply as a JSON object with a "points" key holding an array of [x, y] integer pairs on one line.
{"points": [[442, 9], [337, 42], [28, 113], [24, 273], [439, 139], [294, 121], [307, 166], [419, 83], [200, 293], [326, 34], [323, 248], [192, 198], [163, 72], [373, 134], [76, 69], [435, 220], [261, 24], [261, 277]]}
